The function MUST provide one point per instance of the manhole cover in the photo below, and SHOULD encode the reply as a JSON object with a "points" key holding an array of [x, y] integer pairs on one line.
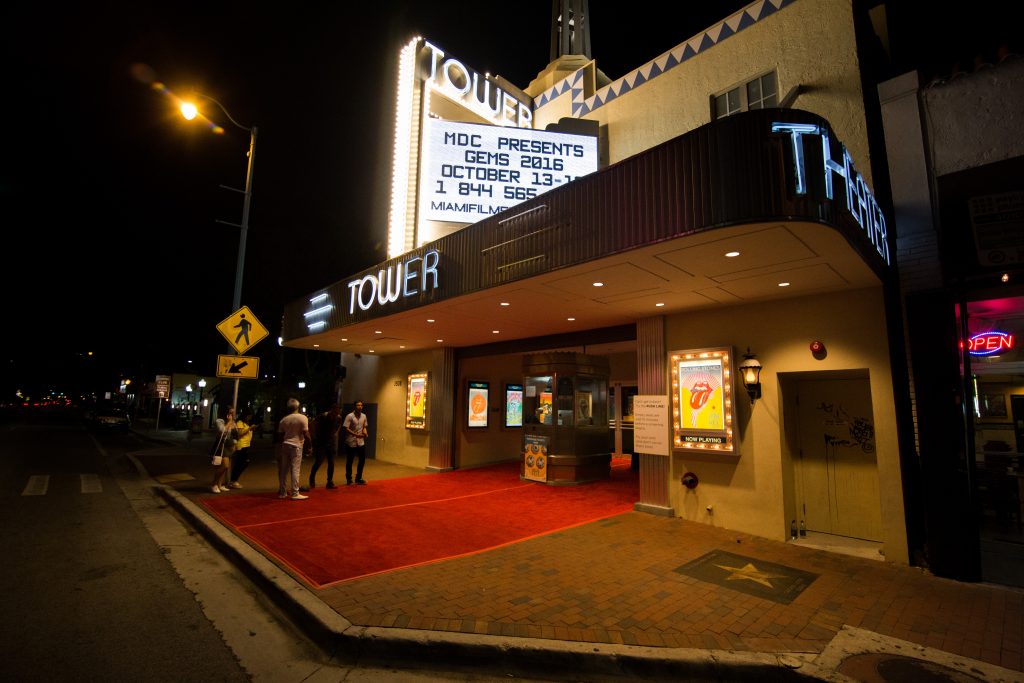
{"points": [[887, 668]]}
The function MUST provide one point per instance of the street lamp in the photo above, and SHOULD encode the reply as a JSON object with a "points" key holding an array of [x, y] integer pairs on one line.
{"points": [[190, 111]]}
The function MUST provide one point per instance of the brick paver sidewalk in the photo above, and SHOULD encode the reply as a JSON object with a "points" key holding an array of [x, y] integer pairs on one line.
{"points": [[615, 581]]}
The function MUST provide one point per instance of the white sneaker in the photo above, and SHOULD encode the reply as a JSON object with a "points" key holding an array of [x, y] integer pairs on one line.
{"points": [[282, 495], [215, 488], [299, 496], [234, 485]]}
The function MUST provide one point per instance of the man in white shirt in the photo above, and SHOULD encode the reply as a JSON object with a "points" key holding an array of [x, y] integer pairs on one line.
{"points": [[355, 442], [293, 433]]}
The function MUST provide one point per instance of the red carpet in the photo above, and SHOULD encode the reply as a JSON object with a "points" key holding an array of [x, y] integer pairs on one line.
{"points": [[354, 531]]}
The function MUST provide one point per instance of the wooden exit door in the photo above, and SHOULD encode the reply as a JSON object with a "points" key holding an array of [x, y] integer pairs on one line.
{"points": [[837, 468]]}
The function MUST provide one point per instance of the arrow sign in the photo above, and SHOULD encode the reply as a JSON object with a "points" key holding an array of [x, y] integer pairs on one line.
{"points": [[238, 367]]}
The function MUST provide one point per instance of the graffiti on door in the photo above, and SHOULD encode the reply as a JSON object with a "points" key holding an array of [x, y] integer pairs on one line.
{"points": [[860, 431]]}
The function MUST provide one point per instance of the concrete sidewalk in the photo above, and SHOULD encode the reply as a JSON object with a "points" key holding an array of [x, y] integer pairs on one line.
{"points": [[634, 595]]}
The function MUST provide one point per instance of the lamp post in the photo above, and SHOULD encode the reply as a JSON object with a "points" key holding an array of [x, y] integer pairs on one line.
{"points": [[190, 111], [202, 403]]}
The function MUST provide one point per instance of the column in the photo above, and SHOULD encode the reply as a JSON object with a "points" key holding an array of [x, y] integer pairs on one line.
{"points": [[655, 470], [442, 410]]}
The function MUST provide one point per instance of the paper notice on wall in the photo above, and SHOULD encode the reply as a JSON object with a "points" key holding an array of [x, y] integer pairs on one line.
{"points": [[650, 425]]}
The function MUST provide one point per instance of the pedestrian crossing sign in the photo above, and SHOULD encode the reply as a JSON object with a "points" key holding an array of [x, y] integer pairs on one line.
{"points": [[242, 329]]}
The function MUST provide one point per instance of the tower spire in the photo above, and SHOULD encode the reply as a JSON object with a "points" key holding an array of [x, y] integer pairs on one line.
{"points": [[570, 28]]}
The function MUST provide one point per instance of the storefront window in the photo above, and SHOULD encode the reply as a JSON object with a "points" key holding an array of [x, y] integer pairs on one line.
{"points": [[994, 363], [566, 402], [538, 400]]}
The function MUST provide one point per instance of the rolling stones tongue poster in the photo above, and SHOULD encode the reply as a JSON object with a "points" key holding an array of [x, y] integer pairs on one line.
{"points": [[702, 400]]}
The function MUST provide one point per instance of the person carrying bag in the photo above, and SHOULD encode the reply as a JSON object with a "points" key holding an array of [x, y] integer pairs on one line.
{"points": [[224, 447]]}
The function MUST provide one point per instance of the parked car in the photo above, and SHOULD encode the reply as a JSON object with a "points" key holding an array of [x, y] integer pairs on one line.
{"points": [[109, 418]]}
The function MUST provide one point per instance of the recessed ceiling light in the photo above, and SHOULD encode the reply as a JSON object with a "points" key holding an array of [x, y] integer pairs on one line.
{"points": [[783, 284], [440, 340], [430, 320], [315, 346], [344, 339], [376, 332], [731, 254], [659, 305], [371, 350], [599, 284], [570, 319], [401, 346], [505, 303], [495, 331]]}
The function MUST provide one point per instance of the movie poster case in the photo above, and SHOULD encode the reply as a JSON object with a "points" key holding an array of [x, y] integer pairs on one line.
{"points": [[417, 400], [703, 406]]}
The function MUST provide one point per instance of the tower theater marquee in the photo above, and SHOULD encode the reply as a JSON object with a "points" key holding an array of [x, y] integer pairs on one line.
{"points": [[469, 140]]}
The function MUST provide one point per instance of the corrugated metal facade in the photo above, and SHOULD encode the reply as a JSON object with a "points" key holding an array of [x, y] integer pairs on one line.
{"points": [[731, 171]]}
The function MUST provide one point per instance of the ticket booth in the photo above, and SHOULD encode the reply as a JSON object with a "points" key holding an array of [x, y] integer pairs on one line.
{"points": [[566, 436]]}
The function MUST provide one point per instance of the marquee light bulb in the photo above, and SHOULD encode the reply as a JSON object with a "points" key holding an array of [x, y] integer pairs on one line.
{"points": [[189, 111]]}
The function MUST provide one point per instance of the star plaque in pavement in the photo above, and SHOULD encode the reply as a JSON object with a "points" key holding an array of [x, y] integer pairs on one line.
{"points": [[749, 575], [749, 572]]}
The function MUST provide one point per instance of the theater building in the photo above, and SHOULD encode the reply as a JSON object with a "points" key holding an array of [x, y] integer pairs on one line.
{"points": [[570, 257]]}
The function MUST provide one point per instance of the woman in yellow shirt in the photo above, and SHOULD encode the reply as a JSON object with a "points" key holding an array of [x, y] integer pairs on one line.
{"points": [[240, 458]]}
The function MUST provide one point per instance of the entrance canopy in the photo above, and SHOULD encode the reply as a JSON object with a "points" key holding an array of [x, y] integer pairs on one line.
{"points": [[757, 206]]}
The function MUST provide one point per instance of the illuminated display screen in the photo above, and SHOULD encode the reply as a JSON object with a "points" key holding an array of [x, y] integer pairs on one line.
{"points": [[472, 171], [513, 405], [478, 404]]}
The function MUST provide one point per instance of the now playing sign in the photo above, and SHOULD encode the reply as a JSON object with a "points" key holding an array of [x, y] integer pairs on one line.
{"points": [[238, 367]]}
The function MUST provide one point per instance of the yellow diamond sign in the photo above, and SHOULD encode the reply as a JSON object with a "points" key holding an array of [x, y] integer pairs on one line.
{"points": [[242, 329]]}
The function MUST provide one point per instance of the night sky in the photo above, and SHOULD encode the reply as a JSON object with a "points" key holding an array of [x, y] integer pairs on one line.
{"points": [[110, 198]]}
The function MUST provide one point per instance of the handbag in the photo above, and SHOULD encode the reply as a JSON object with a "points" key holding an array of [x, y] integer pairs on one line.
{"points": [[217, 460]]}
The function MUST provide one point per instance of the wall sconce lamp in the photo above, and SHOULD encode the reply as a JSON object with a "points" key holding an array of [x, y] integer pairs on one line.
{"points": [[750, 370]]}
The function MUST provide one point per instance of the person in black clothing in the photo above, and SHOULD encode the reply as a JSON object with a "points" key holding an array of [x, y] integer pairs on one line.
{"points": [[325, 443]]}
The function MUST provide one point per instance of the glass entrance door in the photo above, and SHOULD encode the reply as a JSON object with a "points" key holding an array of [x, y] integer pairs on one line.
{"points": [[620, 413]]}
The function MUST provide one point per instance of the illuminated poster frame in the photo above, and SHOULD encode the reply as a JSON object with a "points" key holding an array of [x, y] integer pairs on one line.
{"points": [[514, 406], [478, 404], [417, 400], [703, 409]]}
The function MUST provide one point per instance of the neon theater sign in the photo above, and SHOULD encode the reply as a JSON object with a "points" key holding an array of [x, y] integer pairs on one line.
{"points": [[990, 343], [473, 90], [396, 281], [859, 201]]}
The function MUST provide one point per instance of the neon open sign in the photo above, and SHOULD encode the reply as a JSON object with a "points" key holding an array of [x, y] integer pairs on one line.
{"points": [[990, 343]]}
